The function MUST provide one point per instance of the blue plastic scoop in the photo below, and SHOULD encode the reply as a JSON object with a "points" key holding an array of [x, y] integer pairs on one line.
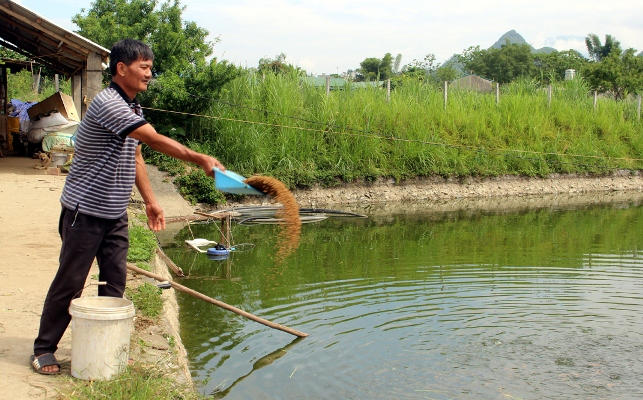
{"points": [[231, 182]]}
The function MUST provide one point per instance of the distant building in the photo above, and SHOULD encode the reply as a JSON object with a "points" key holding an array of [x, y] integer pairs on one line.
{"points": [[473, 82], [339, 83], [320, 81]]}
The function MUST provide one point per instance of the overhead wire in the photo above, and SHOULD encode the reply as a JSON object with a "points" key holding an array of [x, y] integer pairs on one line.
{"points": [[517, 153]]}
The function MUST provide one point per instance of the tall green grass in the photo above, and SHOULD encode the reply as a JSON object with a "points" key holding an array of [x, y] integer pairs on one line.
{"points": [[279, 126], [21, 86]]}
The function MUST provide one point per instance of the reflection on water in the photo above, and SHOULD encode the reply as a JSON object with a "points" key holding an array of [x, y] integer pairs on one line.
{"points": [[454, 304]]}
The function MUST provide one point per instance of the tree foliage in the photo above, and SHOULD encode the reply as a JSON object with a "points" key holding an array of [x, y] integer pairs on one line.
{"points": [[278, 65], [372, 68], [185, 80], [617, 74], [552, 66], [397, 63], [613, 71], [501, 65], [598, 51], [429, 70]]}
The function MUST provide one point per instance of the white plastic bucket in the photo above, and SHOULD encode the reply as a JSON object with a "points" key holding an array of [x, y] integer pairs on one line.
{"points": [[100, 335], [58, 159]]}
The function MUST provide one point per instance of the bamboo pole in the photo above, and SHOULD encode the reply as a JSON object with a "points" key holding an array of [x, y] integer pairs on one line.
{"points": [[217, 302]]}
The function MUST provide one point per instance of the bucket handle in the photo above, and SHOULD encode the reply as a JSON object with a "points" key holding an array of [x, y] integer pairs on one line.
{"points": [[98, 283]]}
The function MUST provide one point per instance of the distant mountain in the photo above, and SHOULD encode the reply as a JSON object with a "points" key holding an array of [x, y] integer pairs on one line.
{"points": [[641, 54], [514, 37]]}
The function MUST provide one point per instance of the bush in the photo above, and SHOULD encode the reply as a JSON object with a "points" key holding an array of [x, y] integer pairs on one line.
{"points": [[197, 187]]}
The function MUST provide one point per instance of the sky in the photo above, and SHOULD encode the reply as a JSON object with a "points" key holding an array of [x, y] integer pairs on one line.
{"points": [[326, 37]]}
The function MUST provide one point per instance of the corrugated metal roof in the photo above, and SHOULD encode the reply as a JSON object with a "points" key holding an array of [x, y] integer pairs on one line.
{"points": [[32, 35], [320, 81]]}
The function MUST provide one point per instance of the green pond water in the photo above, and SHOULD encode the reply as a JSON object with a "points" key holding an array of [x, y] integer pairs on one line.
{"points": [[541, 303]]}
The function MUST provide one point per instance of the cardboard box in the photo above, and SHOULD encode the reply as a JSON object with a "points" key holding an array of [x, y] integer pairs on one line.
{"points": [[61, 102]]}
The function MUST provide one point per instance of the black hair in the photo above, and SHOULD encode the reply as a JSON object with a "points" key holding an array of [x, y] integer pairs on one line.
{"points": [[127, 51]]}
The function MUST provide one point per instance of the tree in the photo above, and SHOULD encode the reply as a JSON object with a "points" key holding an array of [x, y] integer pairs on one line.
{"points": [[427, 64], [428, 69], [598, 51], [553, 65], [376, 69], [278, 65], [181, 70], [502, 65], [396, 64], [617, 74], [446, 73], [612, 70]]}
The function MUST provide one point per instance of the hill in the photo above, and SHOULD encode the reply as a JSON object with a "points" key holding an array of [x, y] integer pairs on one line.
{"points": [[513, 37]]}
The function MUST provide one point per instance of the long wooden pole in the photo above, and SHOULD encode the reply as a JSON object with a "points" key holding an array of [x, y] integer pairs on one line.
{"points": [[217, 302]]}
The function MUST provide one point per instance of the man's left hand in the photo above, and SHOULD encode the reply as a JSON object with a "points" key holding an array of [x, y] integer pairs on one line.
{"points": [[155, 217]]}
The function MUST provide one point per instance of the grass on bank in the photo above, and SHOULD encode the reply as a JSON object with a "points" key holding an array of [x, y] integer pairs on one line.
{"points": [[138, 382], [278, 126]]}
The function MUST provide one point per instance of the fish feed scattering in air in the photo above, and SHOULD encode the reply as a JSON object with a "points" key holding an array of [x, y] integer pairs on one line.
{"points": [[290, 232]]}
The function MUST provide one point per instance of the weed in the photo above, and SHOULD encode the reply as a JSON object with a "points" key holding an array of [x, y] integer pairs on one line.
{"points": [[144, 266], [142, 244], [147, 299]]}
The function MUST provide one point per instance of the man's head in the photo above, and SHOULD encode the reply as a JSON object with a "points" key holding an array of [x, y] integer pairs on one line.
{"points": [[131, 65], [127, 51]]}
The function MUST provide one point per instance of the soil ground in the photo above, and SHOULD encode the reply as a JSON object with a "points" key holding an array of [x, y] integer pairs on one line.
{"points": [[29, 210]]}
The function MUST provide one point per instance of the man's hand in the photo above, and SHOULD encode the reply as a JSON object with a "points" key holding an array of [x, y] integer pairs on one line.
{"points": [[208, 163], [155, 217]]}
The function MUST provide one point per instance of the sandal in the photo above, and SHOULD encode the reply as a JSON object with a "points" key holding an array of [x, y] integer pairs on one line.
{"points": [[44, 360]]}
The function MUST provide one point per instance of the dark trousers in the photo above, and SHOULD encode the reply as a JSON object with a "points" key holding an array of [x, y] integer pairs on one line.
{"points": [[83, 238]]}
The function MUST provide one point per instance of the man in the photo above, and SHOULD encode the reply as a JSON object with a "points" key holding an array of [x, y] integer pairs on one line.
{"points": [[93, 221]]}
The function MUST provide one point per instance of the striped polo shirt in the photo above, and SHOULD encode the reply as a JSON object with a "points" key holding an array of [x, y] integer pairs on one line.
{"points": [[102, 174]]}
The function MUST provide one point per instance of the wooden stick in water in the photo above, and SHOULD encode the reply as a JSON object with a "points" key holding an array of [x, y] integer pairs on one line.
{"points": [[217, 302], [175, 268]]}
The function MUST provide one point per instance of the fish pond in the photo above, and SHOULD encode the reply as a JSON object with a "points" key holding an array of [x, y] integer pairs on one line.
{"points": [[496, 303]]}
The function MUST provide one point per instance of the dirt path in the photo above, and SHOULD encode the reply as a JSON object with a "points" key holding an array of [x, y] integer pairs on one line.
{"points": [[29, 210]]}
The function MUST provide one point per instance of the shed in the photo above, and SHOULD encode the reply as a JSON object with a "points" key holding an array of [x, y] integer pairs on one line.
{"points": [[473, 82], [60, 50]]}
